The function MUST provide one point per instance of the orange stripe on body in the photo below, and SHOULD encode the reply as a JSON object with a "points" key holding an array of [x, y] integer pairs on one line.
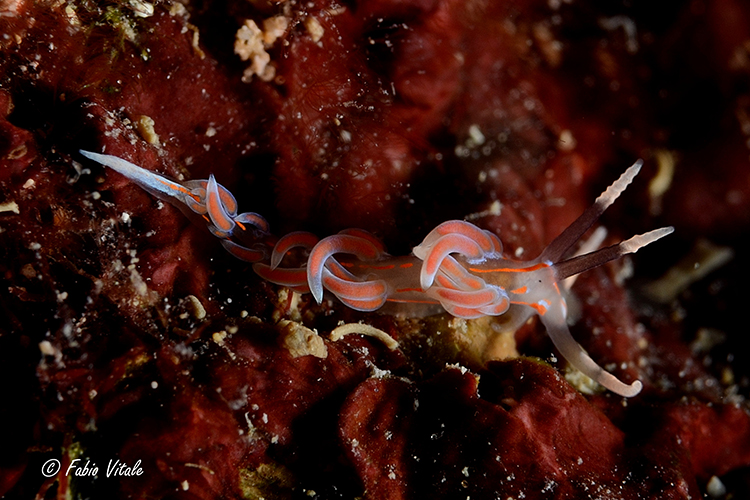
{"points": [[538, 307], [362, 265], [535, 267], [174, 186]]}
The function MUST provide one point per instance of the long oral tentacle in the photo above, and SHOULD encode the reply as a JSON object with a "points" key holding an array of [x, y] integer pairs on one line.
{"points": [[557, 329]]}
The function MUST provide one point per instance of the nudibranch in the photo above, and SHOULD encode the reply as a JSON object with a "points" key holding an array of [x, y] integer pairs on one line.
{"points": [[458, 265]]}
